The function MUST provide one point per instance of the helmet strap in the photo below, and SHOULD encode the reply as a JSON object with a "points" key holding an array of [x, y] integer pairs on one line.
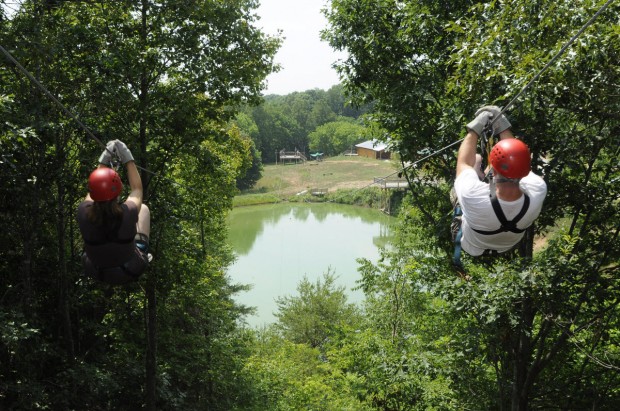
{"points": [[502, 179]]}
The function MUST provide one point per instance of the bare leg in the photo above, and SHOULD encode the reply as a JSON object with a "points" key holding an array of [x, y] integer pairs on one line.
{"points": [[144, 221]]}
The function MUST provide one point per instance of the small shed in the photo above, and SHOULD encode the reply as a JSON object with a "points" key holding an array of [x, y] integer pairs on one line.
{"points": [[373, 149]]}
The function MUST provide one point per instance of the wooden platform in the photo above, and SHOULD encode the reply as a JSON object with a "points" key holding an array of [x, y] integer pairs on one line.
{"points": [[291, 157], [391, 183], [318, 191]]}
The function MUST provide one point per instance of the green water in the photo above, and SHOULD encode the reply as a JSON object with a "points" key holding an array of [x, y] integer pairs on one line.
{"points": [[278, 244]]}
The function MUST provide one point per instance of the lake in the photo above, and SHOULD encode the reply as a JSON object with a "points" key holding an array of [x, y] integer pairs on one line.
{"points": [[278, 244]]}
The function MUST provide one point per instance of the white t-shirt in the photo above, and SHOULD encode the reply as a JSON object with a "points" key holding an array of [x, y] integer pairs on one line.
{"points": [[478, 213]]}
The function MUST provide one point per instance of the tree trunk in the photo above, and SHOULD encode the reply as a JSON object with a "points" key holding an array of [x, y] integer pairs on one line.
{"points": [[151, 284], [522, 352], [64, 283], [151, 353]]}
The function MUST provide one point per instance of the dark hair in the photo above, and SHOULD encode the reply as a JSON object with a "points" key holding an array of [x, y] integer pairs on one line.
{"points": [[105, 214]]}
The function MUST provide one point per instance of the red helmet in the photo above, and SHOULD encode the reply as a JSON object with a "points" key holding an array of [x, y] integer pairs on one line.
{"points": [[511, 158], [104, 184]]}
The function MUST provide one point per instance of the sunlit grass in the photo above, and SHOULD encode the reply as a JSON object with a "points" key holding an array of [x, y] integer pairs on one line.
{"points": [[285, 180], [254, 199]]}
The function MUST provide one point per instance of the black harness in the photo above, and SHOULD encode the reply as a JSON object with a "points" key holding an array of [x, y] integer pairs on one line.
{"points": [[506, 225], [119, 274]]}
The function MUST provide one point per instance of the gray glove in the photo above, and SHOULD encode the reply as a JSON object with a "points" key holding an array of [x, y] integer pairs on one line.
{"points": [[123, 152], [106, 156], [481, 120], [500, 122]]}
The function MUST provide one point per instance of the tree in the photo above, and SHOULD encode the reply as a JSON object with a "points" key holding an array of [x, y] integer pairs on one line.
{"points": [[316, 314], [336, 137], [251, 172], [289, 376], [286, 122], [165, 77], [426, 66]]}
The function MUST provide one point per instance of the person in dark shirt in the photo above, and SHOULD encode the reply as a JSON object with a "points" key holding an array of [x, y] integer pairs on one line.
{"points": [[116, 235]]}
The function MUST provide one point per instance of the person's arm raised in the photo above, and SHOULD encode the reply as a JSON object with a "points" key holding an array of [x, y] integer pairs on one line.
{"points": [[466, 157], [135, 182]]}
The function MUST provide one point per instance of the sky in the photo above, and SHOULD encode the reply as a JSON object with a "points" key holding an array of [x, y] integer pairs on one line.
{"points": [[306, 60]]}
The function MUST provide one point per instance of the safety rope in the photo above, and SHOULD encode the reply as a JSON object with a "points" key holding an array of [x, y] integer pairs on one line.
{"points": [[511, 102], [556, 56]]}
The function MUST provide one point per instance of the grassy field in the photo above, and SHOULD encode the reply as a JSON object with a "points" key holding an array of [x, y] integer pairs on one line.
{"points": [[282, 181]]}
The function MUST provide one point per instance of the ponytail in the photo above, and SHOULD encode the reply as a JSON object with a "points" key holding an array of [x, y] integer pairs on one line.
{"points": [[105, 214]]}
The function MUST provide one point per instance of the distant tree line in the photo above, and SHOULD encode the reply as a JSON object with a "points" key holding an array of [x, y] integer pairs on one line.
{"points": [[309, 121]]}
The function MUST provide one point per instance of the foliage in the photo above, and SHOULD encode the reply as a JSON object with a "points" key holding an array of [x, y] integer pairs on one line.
{"points": [[251, 172], [532, 325], [369, 197], [255, 199], [288, 376], [286, 122], [336, 137], [169, 79], [315, 315], [165, 77]]}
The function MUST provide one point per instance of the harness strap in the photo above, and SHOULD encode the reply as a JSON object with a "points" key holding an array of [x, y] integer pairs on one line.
{"points": [[456, 257], [505, 224], [95, 243], [457, 233], [124, 268]]}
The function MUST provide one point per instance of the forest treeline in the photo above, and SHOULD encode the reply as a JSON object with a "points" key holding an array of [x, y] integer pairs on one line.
{"points": [[312, 121], [180, 82]]}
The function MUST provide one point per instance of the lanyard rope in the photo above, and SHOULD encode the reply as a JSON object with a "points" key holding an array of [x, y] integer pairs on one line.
{"points": [[557, 55]]}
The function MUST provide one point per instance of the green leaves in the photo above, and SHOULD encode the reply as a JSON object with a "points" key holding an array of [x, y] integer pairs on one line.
{"points": [[334, 138], [164, 77], [317, 314], [426, 67]]}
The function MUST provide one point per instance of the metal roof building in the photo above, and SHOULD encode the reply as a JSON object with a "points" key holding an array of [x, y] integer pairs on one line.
{"points": [[373, 149]]}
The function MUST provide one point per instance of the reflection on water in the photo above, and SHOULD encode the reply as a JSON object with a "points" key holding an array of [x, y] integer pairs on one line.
{"points": [[277, 245]]}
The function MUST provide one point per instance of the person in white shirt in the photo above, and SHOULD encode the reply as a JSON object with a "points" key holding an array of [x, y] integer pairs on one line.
{"points": [[496, 215]]}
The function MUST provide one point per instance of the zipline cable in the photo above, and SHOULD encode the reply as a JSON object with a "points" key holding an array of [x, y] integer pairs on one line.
{"points": [[557, 55], [51, 96], [527, 86], [511, 102], [408, 166], [73, 116]]}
